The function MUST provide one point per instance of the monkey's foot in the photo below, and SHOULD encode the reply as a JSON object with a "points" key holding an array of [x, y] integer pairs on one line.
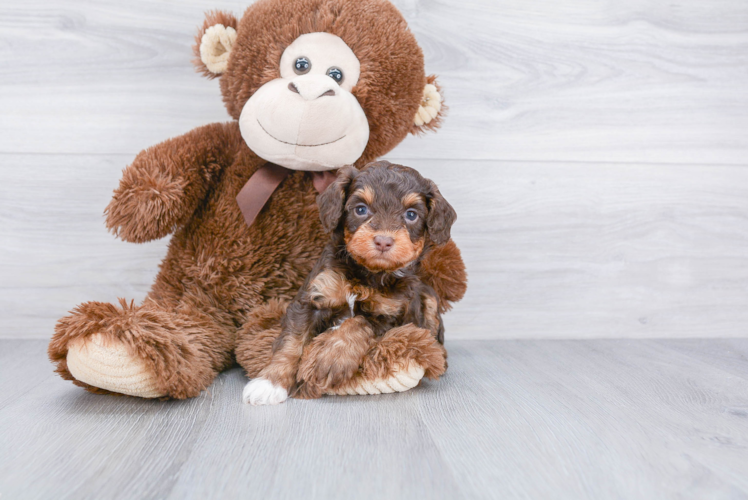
{"points": [[400, 381], [108, 365]]}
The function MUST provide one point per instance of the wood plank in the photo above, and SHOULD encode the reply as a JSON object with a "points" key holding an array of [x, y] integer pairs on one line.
{"points": [[728, 355], [556, 81], [511, 419], [55, 250], [89, 446], [23, 366], [589, 419], [598, 250], [559, 250], [334, 448]]}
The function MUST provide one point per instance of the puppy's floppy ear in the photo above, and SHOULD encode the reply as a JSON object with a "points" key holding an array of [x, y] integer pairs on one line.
{"points": [[332, 201], [440, 218], [213, 43]]}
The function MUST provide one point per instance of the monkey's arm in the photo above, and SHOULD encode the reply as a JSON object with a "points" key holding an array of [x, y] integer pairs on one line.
{"points": [[165, 183], [443, 270]]}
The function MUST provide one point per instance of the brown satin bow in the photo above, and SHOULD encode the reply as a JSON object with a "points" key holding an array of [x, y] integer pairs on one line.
{"points": [[261, 185]]}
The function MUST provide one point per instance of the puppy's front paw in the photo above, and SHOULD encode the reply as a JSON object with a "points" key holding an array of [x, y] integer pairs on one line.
{"points": [[334, 357], [333, 371], [261, 391], [326, 364]]}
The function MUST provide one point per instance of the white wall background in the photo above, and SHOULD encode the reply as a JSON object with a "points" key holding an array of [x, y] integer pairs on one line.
{"points": [[596, 152]]}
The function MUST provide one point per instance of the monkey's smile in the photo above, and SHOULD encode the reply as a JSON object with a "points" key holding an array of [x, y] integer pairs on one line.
{"points": [[293, 143]]}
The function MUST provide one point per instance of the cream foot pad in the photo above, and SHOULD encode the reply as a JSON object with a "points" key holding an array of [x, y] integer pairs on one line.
{"points": [[401, 381], [111, 367]]}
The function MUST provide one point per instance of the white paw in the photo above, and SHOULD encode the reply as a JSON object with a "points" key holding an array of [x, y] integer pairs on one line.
{"points": [[261, 391]]}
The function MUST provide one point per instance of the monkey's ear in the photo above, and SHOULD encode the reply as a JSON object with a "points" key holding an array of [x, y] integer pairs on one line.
{"points": [[213, 43], [332, 201], [440, 218], [431, 111]]}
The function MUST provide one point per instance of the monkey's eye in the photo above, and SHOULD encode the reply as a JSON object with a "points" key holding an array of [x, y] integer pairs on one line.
{"points": [[361, 210], [302, 65], [411, 215], [335, 74]]}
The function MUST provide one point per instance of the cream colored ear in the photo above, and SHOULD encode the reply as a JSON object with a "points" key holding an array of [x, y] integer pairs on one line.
{"points": [[215, 47], [431, 104]]}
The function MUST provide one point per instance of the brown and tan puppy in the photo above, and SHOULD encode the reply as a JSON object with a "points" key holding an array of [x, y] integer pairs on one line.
{"points": [[365, 285]]}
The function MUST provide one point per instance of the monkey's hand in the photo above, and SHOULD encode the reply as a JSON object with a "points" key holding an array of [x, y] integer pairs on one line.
{"points": [[442, 268], [165, 183]]}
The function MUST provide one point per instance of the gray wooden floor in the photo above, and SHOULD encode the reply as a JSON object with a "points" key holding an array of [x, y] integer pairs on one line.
{"points": [[512, 419]]}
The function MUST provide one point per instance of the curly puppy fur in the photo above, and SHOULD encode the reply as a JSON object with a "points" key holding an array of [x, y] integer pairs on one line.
{"points": [[364, 309], [333, 357], [223, 285]]}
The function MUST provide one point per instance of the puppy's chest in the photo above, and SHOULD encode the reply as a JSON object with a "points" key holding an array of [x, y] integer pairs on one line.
{"points": [[331, 290]]}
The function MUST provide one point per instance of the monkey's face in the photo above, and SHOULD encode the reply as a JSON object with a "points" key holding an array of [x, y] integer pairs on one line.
{"points": [[308, 119], [319, 84]]}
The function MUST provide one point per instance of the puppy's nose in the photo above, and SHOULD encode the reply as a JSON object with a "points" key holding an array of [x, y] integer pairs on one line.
{"points": [[383, 243]]}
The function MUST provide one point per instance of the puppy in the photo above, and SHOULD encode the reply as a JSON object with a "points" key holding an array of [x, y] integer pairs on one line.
{"points": [[382, 221]]}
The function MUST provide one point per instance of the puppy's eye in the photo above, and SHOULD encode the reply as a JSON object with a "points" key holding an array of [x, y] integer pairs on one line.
{"points": [[411, 215], [336, 74], [361, 210], [302, 65]]}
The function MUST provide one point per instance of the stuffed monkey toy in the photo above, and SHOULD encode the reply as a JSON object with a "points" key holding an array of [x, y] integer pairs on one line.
{"points": [[311, 86]]}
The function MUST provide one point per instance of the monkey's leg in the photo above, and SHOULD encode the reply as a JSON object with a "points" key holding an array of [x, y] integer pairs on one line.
{"points": [[149, 351]]}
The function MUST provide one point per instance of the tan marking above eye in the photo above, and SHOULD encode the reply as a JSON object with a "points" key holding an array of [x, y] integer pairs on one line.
{"points": [[366, 194], [411, 199]]}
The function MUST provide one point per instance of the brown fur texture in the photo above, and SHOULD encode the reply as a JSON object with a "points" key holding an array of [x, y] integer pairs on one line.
{"points": [[287, 351], [259, 332], [223, 285], [396, 350], [333, 357], [172, 342], [443, 270], [402, 345], [162, 188]]}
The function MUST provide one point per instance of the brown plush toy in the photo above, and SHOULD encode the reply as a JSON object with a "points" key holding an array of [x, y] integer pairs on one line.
{"points": [[311, 85]]}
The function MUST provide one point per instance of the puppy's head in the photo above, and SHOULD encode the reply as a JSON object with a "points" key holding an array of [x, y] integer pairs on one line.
{"points": [[387, 213]]}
